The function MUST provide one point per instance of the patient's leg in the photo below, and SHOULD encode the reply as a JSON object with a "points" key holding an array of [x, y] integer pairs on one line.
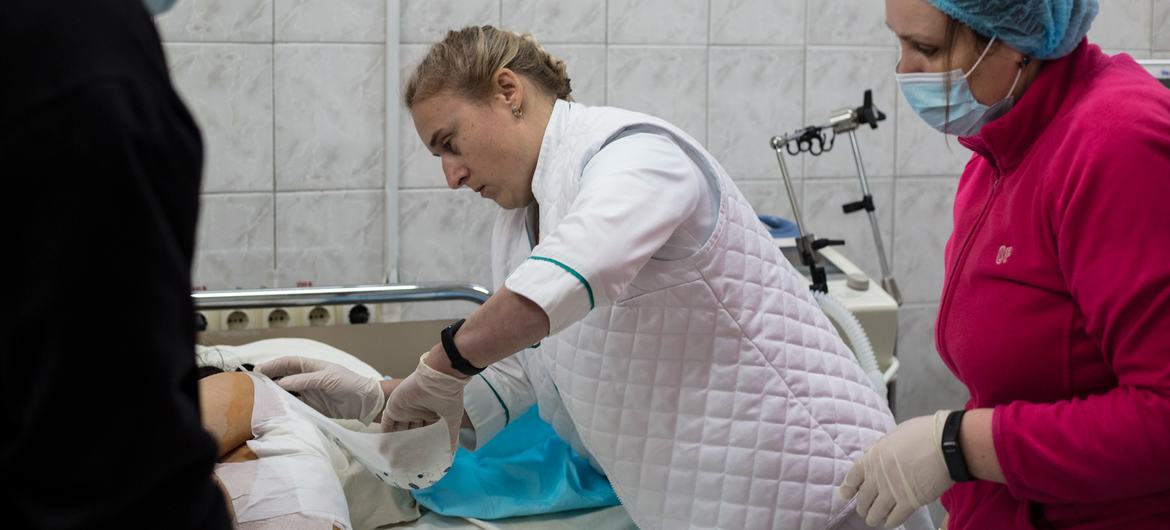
{"points": [[225, 402]]}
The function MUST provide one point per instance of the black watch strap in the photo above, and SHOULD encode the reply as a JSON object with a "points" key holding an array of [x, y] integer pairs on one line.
{"points": [[457, 361], [951, 449]]}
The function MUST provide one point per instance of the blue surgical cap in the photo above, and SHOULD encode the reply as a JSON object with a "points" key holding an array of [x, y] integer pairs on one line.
{"points": [[1042, 29]]}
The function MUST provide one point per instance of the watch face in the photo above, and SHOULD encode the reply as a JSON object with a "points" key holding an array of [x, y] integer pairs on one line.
{"points": [[453, 327]]}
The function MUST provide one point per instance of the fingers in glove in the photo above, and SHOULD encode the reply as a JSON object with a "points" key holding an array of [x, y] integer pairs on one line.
{"points": [[879, 511], [853, 481], [453, 427], [899, 515], [393, 426], [283, 366], [405, 425], [865, 497], [299, 383]]}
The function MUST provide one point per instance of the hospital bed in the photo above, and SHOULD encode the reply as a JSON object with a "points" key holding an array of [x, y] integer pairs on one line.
{"points": [[390, 348]]}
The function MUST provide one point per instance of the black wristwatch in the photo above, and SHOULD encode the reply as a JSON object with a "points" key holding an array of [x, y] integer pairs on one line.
{"points": [[951, 449], [457, 361]]}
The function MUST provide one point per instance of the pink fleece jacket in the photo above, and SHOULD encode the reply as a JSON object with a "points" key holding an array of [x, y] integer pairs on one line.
{"points": [[1056, 305]]}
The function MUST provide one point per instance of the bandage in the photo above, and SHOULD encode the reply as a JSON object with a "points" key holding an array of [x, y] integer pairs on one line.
{"points": [[299, 457]]}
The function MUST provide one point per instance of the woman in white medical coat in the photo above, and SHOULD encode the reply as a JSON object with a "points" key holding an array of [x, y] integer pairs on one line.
{"points": [[678, 349]]}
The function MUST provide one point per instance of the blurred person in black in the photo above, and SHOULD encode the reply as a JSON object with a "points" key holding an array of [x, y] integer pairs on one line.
{"points": [[101, 164]]}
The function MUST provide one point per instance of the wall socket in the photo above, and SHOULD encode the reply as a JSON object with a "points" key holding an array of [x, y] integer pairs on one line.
{"points": [[233, 319], [207, 320], [358, 313], [283, 317]]}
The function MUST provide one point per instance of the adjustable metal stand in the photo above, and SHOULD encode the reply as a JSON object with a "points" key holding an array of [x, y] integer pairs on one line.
{"points": [[813, 140], [806, 244]]}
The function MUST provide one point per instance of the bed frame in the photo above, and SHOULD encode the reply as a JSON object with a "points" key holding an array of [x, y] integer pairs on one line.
{"points": [[392, 348]]}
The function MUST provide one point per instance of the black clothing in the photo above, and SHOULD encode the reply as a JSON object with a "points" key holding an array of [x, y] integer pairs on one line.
{"points": [[101, 167]]}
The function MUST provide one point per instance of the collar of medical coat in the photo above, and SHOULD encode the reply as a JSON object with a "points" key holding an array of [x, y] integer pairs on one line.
{"points": [[554, 133], [1006, 141]]}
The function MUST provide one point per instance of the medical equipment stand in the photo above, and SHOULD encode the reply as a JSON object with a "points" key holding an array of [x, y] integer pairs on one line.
{"points": [[812, 140], [806, 243]]}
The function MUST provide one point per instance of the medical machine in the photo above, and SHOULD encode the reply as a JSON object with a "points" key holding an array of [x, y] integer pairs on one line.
{"points": [[1159, 68], [850, 295]]}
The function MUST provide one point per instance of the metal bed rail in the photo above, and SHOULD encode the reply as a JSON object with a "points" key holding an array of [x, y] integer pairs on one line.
{"points": [[339, 295]]}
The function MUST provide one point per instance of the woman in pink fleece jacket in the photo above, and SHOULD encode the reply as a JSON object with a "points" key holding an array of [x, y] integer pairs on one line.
{"points": [[1056, 308]]}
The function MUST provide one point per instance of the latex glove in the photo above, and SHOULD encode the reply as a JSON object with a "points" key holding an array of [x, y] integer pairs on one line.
{"points": [[332, 389], [425, 397], [900, 473]]}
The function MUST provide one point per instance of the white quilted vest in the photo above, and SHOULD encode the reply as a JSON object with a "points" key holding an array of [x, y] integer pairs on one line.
{"points": [[714, 393]]}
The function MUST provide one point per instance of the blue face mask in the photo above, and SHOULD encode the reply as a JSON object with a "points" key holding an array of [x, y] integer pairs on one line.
{"points": [[158, 7], [955, 112]]}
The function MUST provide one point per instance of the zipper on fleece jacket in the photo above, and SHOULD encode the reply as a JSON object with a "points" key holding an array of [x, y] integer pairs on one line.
{"points": [[960, 262]]}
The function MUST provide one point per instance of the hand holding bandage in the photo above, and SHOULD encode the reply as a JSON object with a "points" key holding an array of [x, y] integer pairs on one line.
{"points": [[331, 389], [426, 396]]}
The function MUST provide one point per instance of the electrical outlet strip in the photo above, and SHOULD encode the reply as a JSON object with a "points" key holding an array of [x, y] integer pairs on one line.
{"points": [[292, 317]]}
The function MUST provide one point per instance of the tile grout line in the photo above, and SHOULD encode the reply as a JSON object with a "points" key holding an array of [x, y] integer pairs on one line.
{"points": [[275, 229], [392, 172], [803, 107], [707, 84], [605, 61]]}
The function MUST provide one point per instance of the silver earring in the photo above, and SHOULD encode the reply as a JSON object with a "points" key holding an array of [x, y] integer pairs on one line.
{"points": [[517, 112]]}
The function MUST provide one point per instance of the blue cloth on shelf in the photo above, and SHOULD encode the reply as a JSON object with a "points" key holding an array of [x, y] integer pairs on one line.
{"points": [[779, 226]]}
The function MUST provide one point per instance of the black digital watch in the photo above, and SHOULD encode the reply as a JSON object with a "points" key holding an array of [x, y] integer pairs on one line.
{"points": [[447, 337], [951, 449]]}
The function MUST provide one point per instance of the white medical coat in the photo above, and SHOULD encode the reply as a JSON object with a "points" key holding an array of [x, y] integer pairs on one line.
{"points": [[686, 357]]}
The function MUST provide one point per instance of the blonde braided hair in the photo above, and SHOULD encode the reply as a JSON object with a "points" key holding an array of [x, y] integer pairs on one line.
{"points": [[466, 61]]}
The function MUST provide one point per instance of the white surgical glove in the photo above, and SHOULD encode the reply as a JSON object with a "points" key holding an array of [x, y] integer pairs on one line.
{"points": [[425, 397], [901, 472], [332, 389]]}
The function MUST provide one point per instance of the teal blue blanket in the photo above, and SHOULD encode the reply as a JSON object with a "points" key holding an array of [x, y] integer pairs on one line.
{"points": [[525, 470]]}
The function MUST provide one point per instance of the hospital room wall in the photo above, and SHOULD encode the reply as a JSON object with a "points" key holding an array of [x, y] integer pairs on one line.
{"points": [[300, 180]]}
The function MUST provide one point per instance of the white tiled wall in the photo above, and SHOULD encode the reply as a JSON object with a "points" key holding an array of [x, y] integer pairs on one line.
{"points": [[657, 21], [330, 237], [230, 87], [837, 77], [666, 81], [752, 89], [236, 240], [293, 102], [330, 21], [218, 21], [1160, 22], [331, 116]]}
